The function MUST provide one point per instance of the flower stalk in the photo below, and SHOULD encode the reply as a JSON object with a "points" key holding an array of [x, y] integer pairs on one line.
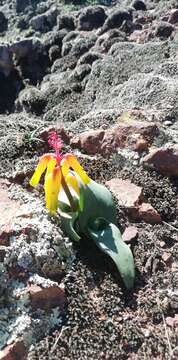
{"points": [[68, 193]]}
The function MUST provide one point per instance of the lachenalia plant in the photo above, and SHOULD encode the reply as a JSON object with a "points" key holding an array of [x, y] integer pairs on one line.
{"points": [[86, 208]]}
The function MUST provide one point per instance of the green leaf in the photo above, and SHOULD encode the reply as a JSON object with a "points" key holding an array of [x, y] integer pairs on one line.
{"points": [[96, 218], [68, 220], [68, 225], [108, 238], [97, 202]]}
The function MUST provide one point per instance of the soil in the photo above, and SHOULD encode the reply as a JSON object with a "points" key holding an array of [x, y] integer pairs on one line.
{"points": [[102, 320]]}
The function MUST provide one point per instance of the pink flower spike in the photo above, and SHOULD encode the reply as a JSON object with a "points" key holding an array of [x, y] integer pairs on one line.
{"points": [[56, 143]]}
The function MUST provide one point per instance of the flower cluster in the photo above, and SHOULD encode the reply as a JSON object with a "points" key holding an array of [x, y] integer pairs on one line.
{"points": [[59, 173]]}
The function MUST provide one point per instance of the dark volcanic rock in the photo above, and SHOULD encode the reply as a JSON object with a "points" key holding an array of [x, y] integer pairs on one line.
{"points": [[3, 22], [89, 58], [115, 83], [173, 18], [54, 53], [79, 46], [32, 59], [139, 5], [10, 87], [123, 61], [111, 37], [6, 62], [116, 19], [20, 5], [44, 22], [25, 47], [31, 99], [91, 18], [128, 26], [164, 30], [66, 48], [81, 72], [55, 38], [22, 23], [65, 22], [65, 63], [71, 35]]}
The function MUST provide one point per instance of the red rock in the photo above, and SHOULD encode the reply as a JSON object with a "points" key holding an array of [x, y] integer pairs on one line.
{"points": [[141, 145], [8, 212], [149, 214], [45, 134], [129, 132], [125, 135], [144, 19], [89, 141], [128, 194], [130, 197], [139, 36], [130, 234], [15, 351], [166, 257], [172, 321], [8, 208], [173, 18], [161, 244], [46, 298], [5, 233], [164, 160], [174, 267]]}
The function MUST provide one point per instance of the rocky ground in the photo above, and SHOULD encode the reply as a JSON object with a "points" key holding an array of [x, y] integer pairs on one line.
{"points": [[105, 76]]}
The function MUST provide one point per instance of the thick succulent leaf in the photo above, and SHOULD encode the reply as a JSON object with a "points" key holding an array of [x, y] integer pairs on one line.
{"points": [[68, 220], [96, 202], [68, 225], [108, 238], [64, 208], [96, 218]]}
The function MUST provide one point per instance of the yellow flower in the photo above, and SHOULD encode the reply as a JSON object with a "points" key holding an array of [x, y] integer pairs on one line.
{"points": [[57, 168], [52, 187], [70, 161], [41, 167]]}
